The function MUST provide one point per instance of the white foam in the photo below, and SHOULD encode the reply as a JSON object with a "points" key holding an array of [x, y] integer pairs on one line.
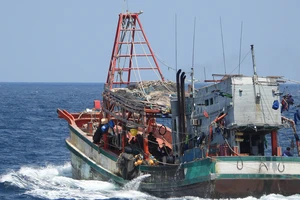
{"points": [[135, 183], [48, 182], [54, 182]]}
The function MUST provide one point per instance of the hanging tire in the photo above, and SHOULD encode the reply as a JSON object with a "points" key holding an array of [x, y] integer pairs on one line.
{"points": [[162, 132]]}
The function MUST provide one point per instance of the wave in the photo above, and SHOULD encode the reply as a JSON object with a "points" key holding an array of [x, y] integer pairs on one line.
{"points": [[55, 182]]}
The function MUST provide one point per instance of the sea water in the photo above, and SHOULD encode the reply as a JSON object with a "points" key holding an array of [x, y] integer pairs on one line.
{"points": [[34, 161]]}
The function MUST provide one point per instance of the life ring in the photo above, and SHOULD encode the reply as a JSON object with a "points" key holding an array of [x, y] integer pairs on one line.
{"points": [[205, 114], [164, 132]]}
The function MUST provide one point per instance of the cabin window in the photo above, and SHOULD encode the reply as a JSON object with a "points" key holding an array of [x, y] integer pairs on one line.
{"points": [[211, 101], [206, 102], [175, 125]]}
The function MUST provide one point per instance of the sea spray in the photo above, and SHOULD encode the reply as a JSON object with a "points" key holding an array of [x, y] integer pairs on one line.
{"points": [[177, 171], [50, 183], [135, 183]]}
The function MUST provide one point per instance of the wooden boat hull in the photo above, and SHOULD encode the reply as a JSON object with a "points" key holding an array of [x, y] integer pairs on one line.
{"points": [[218, 177], [232, 188]]}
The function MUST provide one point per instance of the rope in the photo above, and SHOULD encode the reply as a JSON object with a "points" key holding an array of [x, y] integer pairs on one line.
{"points": [[139, 75], [170, 164], [278, 167], [283, 166], [231, 148], [158, 76], [240, 63], [265, 102], [160, 60], [298, 82]]}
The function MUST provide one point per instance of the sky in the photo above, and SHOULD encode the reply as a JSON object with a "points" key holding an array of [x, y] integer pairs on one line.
{"points": [[72, 40]]}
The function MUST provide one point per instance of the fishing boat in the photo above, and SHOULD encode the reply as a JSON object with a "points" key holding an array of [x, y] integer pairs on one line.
{"points": [[208, 142]]}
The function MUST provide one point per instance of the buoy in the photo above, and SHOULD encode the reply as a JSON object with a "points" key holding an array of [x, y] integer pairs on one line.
{"points": [[133, 132], [150, 162], [97, 104], [205, 114], [138, 162]]}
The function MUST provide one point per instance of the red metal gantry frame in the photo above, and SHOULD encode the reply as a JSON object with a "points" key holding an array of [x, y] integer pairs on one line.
{"points": [[128, 23]]}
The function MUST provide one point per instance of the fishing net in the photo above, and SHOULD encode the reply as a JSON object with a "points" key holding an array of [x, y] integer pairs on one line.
{"points": [[156, 94]]}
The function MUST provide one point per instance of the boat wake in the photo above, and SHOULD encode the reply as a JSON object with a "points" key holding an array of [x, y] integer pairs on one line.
{"points": [[55, 182]]}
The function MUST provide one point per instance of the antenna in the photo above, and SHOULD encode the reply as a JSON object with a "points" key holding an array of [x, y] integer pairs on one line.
{"points": [[240, 46], [223, 45], [193, 55], [253, 60], [176, 41], [204, 74], [125, 6]]}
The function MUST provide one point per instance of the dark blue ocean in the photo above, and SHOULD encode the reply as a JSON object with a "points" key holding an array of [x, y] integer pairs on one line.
{"points": [[35, 163]]}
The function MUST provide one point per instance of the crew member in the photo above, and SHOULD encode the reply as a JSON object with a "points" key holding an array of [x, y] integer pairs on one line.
{"points": [[165, 152], [153, 145], [287, 152], [98, 134]]}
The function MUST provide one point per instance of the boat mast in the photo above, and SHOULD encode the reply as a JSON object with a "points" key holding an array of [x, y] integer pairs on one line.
{"points": [[224, 59], [130, 37], [253, 60], [192, 70], [255, 78], [240, 47]]}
